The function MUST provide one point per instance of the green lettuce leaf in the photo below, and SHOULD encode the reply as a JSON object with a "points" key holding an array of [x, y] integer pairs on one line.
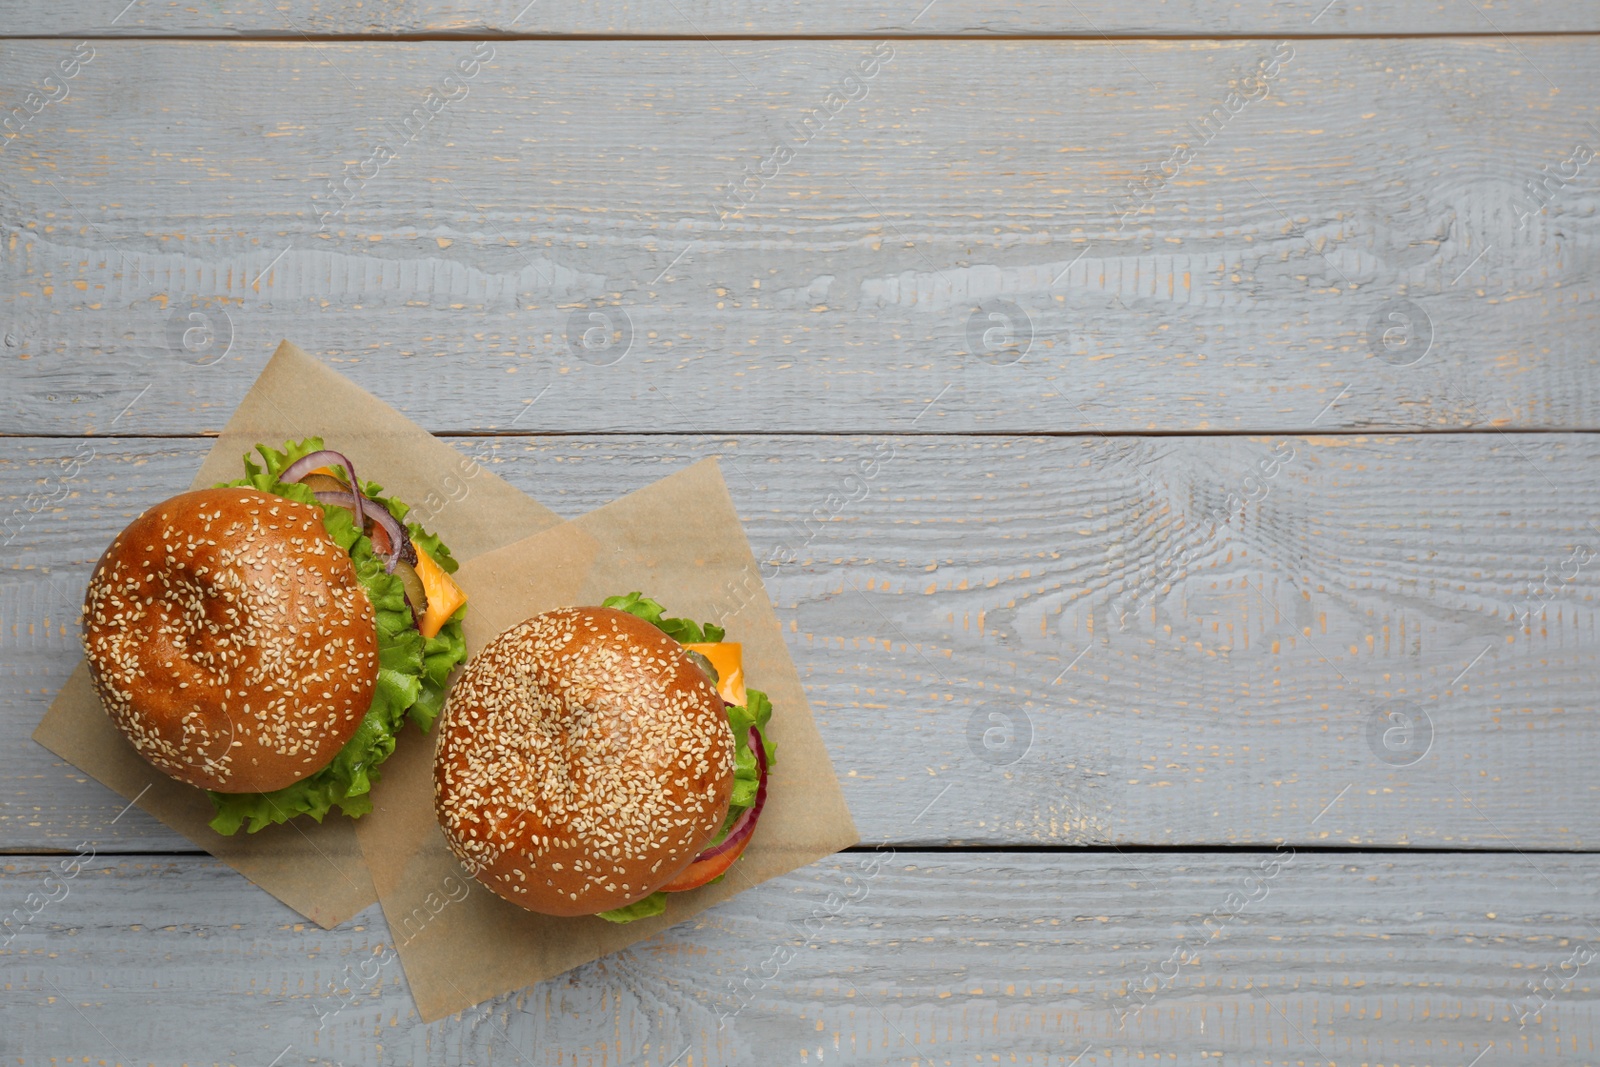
{"points": [[654, 904], [683, 631], [756, 711], [412, 672]]}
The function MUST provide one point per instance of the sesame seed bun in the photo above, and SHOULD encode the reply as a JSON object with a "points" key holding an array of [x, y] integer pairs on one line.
{"points": [[583, 761], [230, 640]]}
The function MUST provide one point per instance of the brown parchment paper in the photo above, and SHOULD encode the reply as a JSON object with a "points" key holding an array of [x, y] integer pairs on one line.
{"points": [[679, 541], [316, 869]]}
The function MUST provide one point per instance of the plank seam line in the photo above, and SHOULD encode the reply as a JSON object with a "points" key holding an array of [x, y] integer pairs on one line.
{"points": [[1020, 850], [1218, 850], [246, 37], [469, 435]]}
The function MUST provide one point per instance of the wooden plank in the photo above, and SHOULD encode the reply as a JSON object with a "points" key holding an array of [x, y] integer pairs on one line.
{"points": [[697, 18], [909, 958], [167, 233], [1054, 641]]}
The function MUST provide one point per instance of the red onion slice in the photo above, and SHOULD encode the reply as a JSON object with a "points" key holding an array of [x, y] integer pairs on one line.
{"points": [[400, 546], [329, 458], [745, 824]]}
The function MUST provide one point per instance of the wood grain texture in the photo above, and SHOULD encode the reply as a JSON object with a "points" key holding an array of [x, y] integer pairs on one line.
{"points": [[1416, 960], [550, 196], [1054, 641], [695, 18]]}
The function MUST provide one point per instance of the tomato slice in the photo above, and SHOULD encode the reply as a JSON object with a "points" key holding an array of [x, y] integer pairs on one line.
{"points": [[380, 539], [700, 872], [718, 858]]}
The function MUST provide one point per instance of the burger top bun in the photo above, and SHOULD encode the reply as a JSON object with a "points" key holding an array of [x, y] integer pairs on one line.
{"points": [[230, 640], [583, 762]]}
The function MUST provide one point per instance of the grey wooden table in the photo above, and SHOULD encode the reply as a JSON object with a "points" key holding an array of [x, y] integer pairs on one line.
{"points": [[1215, 651]]}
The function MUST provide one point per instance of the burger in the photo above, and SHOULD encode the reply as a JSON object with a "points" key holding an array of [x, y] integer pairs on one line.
{"points": [[266, 639], [595, 760]]}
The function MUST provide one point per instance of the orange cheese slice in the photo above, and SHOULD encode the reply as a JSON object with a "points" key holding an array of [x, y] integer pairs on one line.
{"points": [[444, 595], [728, 659]]}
